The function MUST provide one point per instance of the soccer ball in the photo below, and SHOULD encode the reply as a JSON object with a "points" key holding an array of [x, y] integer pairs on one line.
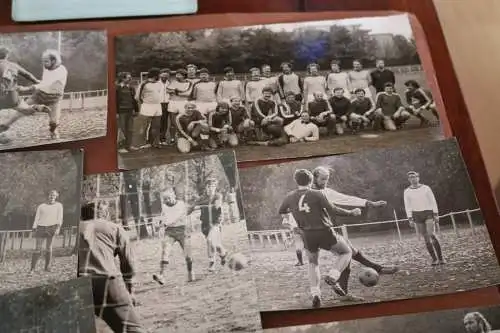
{"points": [[368, 277], [237, 261]]}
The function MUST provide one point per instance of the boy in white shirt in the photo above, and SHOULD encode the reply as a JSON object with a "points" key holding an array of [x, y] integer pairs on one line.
{"points": [[47, 224], [302, 129], [422, 212]]}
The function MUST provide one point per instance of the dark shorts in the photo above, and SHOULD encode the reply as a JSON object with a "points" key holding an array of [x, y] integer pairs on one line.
{"points": [[324, 239], [41, 97], [9, 100], [45, 231], [206, 227], [177, 233], [423, 216]]}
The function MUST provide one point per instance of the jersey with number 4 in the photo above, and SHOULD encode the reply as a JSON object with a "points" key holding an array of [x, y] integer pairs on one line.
{"points": [[310, 209]]}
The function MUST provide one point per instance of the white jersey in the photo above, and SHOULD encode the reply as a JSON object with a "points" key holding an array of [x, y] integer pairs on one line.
{"points": [[341, 199], [315, 84], [176, 215], [418, 199], [53, 81], [359, 79], [337, 80], [48, 215], [301, 130]]}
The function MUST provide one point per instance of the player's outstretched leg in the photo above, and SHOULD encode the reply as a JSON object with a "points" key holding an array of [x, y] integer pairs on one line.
{"points": [[344, 284], [367, 262], [341, 248], [314, 278]]}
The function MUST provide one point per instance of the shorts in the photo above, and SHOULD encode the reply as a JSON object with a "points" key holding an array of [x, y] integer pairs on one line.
{"points": [[178, 234], [207, 227], [9, 100], [424, 222], [41, 97], [151, 110], [206, 107], [324, 239], [46, 231], [176, 106]]}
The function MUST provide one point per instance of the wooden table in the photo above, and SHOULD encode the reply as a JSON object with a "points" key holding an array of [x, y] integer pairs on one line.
{"points": [[101, 153]]}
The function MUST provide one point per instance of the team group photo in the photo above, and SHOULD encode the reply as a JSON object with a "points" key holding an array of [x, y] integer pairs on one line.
{"points": [[373, 226], [39, 219], [183, 250], [53, 87], [310, 88]]}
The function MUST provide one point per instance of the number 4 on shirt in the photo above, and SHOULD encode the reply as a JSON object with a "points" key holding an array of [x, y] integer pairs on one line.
{"points": [[303, 206]]}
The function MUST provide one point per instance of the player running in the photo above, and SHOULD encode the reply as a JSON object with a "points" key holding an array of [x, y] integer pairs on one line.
{"points": [[422, 212], [313, 212], [211, 224], [175, 220]]}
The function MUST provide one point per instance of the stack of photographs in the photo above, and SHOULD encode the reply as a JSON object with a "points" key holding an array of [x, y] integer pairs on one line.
{"points": [[182, 240]]}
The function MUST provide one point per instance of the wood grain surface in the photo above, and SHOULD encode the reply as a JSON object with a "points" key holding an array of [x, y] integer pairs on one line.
{"points": [[101, 153]]}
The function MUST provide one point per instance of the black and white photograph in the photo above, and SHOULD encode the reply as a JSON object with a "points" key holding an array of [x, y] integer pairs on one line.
{"points": [[366, 227], [53, 87], [40, 212], [272, 91], [474, 320], [184, 253], [57, 308]]}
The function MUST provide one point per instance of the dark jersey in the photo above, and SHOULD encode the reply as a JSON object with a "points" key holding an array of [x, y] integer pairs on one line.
{"points": [[310, 209], [219, 120], [419, 95], [381, 77], [361, 106], [389, 103], [317, 107], [266, 108], [211, 212], [238, 115], [341, 106], [125, 99], [184, 120]]}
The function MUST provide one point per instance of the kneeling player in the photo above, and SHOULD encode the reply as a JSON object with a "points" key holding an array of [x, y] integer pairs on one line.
{"points": [[175, 216], [242, 125], [221, 129], [290, 109], [211, 220], [419, 100], [390, 112], [265, 115], [361, 108], [341, 107], [321, 112], [302, 130], [312, 212], [193, 128]]}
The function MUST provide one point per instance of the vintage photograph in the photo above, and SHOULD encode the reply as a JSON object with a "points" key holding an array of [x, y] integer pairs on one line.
{"points": [[366, 227], [40, 211], [272, 91], [53, 87], [61, 307], [184, 253], [480, 320]]}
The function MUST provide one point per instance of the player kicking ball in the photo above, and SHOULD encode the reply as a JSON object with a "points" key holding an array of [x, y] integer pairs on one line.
{"points": [[312, 211], [175, 219], [422, 212]]}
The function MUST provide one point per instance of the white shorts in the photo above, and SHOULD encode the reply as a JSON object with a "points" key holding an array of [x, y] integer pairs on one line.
{"points": [[176, 106], [206, 107], [150, 110]]}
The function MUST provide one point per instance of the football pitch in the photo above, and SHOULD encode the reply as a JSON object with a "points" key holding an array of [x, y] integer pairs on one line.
{"points": [[471, 264], [220, 301]]}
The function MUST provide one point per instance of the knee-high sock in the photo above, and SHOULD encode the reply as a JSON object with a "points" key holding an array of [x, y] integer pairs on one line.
{"points": [[189, 264], [344, 279], [35, 257], [437, 247], [365, 261], [48, 258], [163, 266], [52, 126], [430, 248], [299, 256], [314, 279], [342, 263]]}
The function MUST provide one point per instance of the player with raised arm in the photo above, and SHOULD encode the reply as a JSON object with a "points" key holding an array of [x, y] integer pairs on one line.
{"points": [[359, 78], [422, 212], [47, 224], [177, 229], [230, 87], [313, 213], [211, 223], [313, 83]]}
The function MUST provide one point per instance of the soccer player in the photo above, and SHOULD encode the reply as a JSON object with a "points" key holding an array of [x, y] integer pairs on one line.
{"points": [[302, 130], [180, 91], [204, 93], [271, 81], [211, 223], [419, 100], [321, 112], [389, 109], [321, 177], [341, 107], [191, 71], [221, 128], [126, 108], [359, 78], [475, 322], [381, 75], [166, 128], [230, 87], [290, 109], [47, 224], [288, 81], [422, 212], [193, 129], [313, 83], [50, 90], [243, 126], [361, 108], [149, 97], [254, 87], [313, 213], [100, 242], [177, 229], [337, 79], [265, 113]]}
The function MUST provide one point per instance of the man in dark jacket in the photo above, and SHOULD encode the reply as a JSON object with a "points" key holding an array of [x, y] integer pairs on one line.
{"points": [[126, 109]]}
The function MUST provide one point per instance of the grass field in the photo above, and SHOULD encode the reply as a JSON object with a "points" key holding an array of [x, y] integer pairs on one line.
{"points": [[471, 264], [222, 301], [76, 124], [328, 145]]}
